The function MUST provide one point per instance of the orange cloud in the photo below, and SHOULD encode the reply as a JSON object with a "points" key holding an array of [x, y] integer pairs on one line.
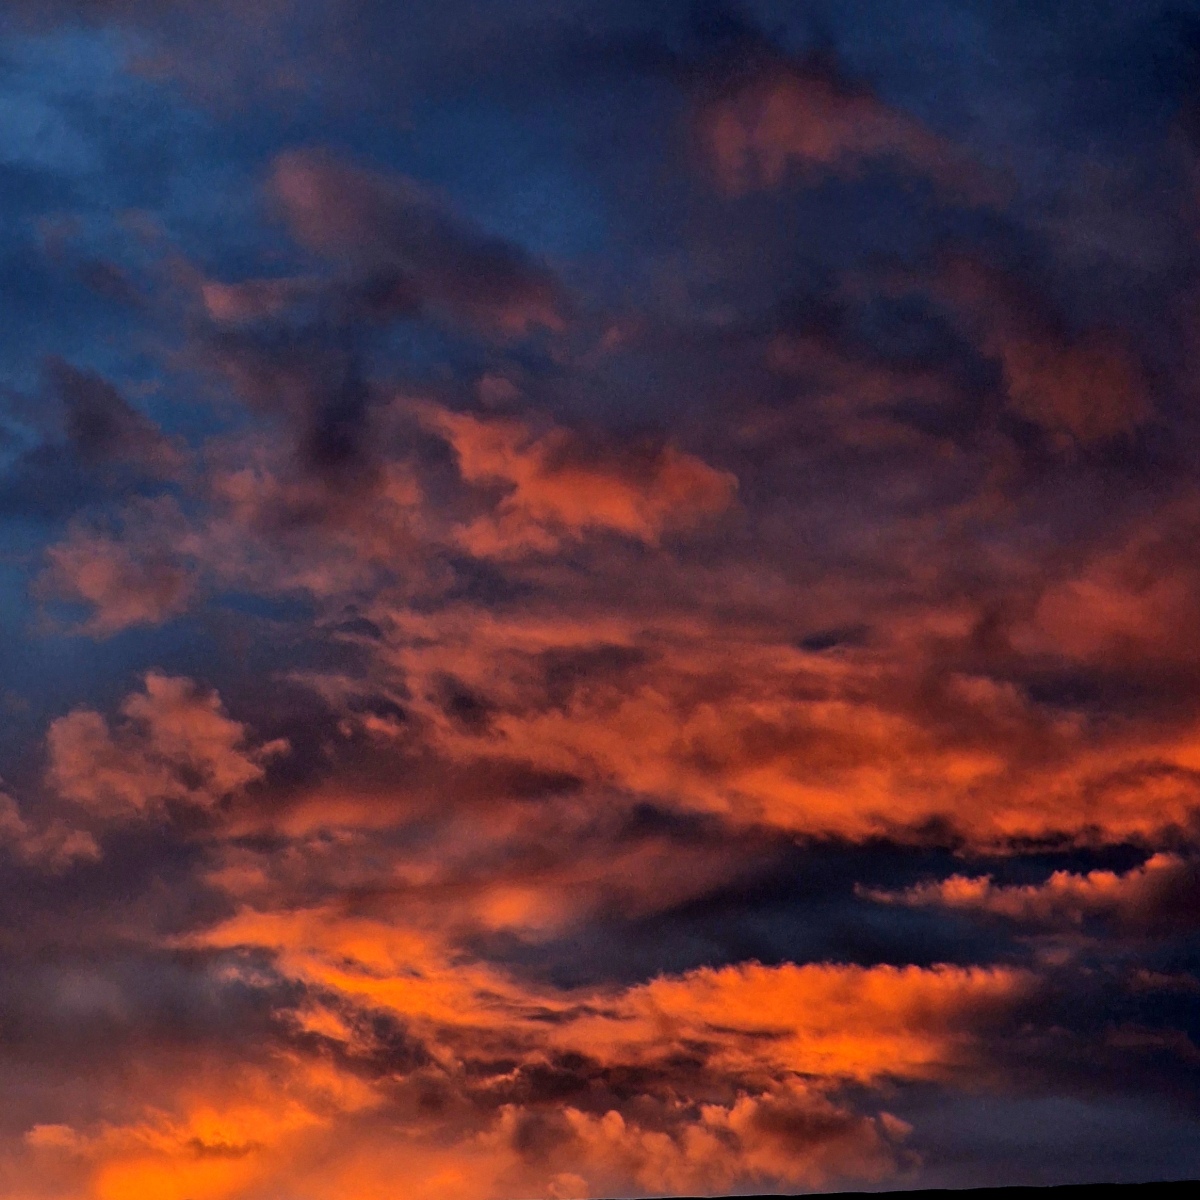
{"points": [[463, 1115], [559, 486], [758, 1023], [594, 723], [230, 1140], [791, 1135], [317, 1132], [1162, 890], [470, 877], [820, 1020], [174, 744], [771, 1047], [711, 719]]}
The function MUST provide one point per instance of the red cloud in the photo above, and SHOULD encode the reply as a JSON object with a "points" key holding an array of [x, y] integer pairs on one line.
{"points": [[1133, 600]]}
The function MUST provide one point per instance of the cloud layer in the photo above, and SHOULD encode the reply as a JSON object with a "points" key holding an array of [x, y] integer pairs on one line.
{"points": [[599, 598]]}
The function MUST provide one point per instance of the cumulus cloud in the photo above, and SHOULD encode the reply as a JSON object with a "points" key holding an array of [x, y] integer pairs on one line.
{"points": [[312, 1132], [791, 1134], [173, 744]]}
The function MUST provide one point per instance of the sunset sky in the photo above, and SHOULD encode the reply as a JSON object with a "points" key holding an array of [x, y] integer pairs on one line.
{"points": [[598, 597]]}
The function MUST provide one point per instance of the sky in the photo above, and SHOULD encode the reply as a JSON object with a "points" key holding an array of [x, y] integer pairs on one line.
{"points": [[598, 597]]}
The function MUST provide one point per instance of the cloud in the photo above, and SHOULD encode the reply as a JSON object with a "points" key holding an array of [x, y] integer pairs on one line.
{"points": [[1158, 896], [709, 719], [370, 221], [785, 116], [791, 1135], [259, 522], [1130, 601], [744, 1024], [102, 427], [174, 744], [558, 486], [124, 583], [273, 526], [906, 1022], [55, 846], [270, 524], [712, 1079], [1089, 386], [308, 378], [250, 300], [752, 804], [317, 1131], [82, 444], [203, 1146], [1090, 389]]}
